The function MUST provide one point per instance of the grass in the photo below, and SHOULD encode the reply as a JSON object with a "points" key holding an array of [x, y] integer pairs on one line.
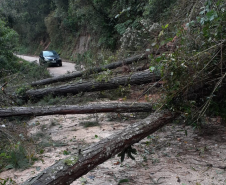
{"points": [[54, 122], [41, 137], [16, 156], [89, 124]]}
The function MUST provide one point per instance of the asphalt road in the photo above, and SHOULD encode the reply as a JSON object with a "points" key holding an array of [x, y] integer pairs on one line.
{"points": [[54, 71]]}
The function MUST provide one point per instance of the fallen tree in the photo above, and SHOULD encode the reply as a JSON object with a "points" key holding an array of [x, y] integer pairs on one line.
{"points": [[74, 109], [90, 71], [89, 86], [67, 170]]}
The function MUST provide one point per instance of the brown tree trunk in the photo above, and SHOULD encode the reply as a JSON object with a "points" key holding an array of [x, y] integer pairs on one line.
{"points": [[65, 171], [74, 109], [90, 71], [89, 86]]}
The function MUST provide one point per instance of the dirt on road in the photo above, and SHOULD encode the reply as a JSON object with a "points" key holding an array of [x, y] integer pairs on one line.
{"points": [[175, 155], [54, 71]]}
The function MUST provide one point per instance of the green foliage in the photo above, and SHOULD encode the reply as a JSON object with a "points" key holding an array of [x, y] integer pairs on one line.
{"points": [[65, 152], [156, 8], [21, 90], [25, 71], [58, 20], [212, 19], [8, 42], [52, 24], [16, 157], [7, 181], [33, 72], [197, 59], [123, 180], [26, 17], [121, 27], [50, 100], [217, 108], [86, 58], [4, 157], [16, 73], [42, 151], [104, 76], [129, 151], [71, 161], [89, 124]]}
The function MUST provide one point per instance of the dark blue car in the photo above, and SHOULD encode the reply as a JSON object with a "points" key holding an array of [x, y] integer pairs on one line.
{"points": [[50, 58]]}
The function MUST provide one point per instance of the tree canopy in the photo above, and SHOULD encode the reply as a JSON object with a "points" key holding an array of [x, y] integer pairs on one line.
{"points": [[8, 42]]}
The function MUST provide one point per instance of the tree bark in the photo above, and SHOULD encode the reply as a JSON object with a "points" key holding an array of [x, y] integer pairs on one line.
{"points": [[73, 109], [65, 171], [90, 71], [89, 86]]}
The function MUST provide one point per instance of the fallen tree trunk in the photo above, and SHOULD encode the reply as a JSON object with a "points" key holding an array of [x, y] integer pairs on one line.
{"points": [[73, 109], [134, 79], [67, 170], [90, 71]]}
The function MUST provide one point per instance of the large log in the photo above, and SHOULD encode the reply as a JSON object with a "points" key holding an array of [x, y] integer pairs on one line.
{"points": [[67, 170], [76, 109], [90, 71], [134, 79]]}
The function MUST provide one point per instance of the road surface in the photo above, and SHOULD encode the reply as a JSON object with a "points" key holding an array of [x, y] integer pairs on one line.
{"points": [[54, 71]]}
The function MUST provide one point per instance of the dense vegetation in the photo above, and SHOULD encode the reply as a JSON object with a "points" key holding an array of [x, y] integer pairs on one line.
{"points": [[13, 71], [61, 22], [9, 39]]}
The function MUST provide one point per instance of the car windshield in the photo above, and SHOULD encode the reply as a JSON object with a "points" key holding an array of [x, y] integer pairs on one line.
{"points": [[49, 53]]}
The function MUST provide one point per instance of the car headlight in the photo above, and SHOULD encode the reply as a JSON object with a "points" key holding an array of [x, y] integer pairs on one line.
{"points": [[46, 59]]}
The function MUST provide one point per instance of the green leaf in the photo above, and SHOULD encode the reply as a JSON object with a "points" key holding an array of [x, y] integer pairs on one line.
{"points": [[123, 180], [83, 180], [122, 154], [211, 15], [158, 59], [202, 20], [38, 168], [153, 44], [10, 166], [186, 132], [134, 151], [161, 33], [152, 68], [65, 152], [162, 43], [130, 156]]}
